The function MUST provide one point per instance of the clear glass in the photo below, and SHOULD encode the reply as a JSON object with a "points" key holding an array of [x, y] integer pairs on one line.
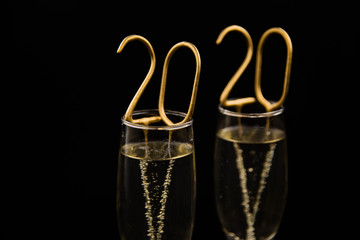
{"points": [[250, 172], [156, 183]]}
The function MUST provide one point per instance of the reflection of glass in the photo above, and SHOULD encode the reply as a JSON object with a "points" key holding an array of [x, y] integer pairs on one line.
{"points": [[250, 173], [156, 179]]}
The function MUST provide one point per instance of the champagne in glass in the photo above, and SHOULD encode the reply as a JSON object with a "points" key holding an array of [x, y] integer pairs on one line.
{"points": [[156, 181], [250, 173]]}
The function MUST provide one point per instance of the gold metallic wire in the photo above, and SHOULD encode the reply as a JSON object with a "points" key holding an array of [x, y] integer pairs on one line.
{"points": [[134, 101], [258, 93], [240, 102], [195, 85], [225, 94], [148, 120]]}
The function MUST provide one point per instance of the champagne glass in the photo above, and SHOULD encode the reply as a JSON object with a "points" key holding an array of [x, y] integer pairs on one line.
{"points": [[250, 152], [156, 182], [250, 172]]}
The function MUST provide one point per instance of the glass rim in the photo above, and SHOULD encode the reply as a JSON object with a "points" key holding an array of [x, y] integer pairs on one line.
{"points": [[160, 127], [251, 115]]}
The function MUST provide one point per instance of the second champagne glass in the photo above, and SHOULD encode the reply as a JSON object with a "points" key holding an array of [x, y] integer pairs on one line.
{"points": [[250, 173], [250, 152]]}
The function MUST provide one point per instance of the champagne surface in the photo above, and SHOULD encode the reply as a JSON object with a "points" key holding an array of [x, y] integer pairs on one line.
{"points": [[156, 191], [250, 181]]}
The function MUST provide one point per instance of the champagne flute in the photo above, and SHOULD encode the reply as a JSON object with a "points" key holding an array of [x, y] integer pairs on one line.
{"points": [[250, 152], [250, 173], [156, 183]]}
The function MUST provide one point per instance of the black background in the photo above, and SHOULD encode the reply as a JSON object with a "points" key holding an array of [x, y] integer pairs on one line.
{"points": [[68, 90]]}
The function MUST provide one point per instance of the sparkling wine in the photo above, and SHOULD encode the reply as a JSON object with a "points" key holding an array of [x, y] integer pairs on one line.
{"points": [[156, 191], [250, 181]]}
